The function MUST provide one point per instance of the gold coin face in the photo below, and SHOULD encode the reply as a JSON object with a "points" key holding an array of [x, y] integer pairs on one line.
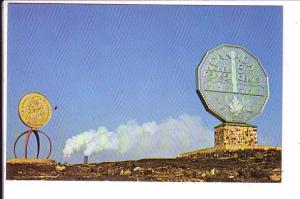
{"points": [[34, 110]]}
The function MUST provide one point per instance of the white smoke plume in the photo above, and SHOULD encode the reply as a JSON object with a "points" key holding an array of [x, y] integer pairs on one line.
{"points": [[168, 138]]}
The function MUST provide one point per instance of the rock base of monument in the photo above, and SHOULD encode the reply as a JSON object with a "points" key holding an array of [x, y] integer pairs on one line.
{"points": [[230, 148], [235, 134], [30, 161]]}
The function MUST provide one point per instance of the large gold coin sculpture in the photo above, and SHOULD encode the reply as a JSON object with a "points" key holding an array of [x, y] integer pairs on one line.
{"points": [[34, 112]]}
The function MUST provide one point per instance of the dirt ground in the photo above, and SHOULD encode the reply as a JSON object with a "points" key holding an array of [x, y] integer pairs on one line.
{"points": [[221, 166]]}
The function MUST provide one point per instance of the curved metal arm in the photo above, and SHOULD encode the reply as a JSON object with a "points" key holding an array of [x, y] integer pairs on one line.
{"points": [[38, 143], [18, 140], [36, 133], [50, 143], [26, 142]]}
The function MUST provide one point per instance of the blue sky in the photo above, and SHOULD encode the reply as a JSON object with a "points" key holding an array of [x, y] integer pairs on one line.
{"points": [[108, 64]]}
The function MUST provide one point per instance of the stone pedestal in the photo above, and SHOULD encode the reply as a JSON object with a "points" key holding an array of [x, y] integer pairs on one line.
{"points": [[232, 134], [30, 161]]}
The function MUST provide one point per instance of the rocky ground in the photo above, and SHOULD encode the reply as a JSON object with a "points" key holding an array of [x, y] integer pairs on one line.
{"points": [[220, 166]]}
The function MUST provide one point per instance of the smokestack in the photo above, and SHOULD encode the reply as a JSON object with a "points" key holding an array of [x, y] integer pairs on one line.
{"points": [[86, 159]]}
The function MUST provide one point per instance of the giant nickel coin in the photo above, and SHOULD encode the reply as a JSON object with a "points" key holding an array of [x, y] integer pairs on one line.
{"points": [[34, 110], [232, 84]]}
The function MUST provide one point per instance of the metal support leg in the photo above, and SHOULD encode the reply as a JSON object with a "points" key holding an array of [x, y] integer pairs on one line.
{"points": [[37, 142], [37, 136], [26, 142]]}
